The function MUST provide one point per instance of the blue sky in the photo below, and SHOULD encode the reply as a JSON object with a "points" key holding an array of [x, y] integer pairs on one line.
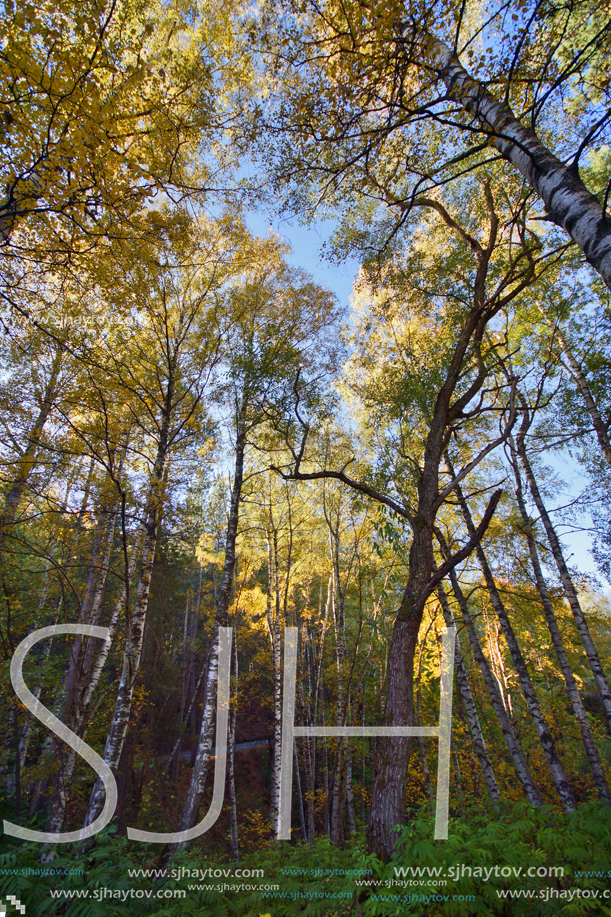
{"points": [[306, 243]]}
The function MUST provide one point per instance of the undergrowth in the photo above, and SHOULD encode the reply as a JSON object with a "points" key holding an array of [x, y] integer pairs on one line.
{"points": [[485, 857]]}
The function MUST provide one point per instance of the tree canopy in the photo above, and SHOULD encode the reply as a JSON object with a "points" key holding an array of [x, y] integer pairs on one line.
{"points": [[213, 469]]}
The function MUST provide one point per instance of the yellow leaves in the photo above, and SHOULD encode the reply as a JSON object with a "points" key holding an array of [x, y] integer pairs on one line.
{"points": [[128, 110], [252, 603], [206, 554]]}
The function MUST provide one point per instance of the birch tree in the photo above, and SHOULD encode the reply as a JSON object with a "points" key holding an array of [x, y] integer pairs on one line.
{"points": [[273, 348], [180, 312], [377, 105], [85, 86], [459, 379]]}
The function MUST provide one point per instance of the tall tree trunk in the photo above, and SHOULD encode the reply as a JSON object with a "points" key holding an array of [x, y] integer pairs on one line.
{"points": [[103, 652], [91, 607], [575, 368], [470, 709], [388, 796], [135, 637], [426, 774], [233, 808], [320, 705], [273, 616], [568, 202], [349, 792], [337, 783], [197, 786], [308, 745], [299, 793], [545, 737], [46, 648], [27, 459], [565, 576], [25, 464], [181, 657], [511, 740], [80, 661], [497, 660], [581, 716]]}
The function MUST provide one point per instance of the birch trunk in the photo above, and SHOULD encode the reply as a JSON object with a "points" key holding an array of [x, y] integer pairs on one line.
{"points": [[192, 702], [320, 705], [340, 652], [568, 202], [80, 661], [308, 743], [559, 776], [233, 808], [586, 393], [46, 648], [135, 637], [351, 809], [83, 674], [565, 576], [426, 774], [81, 658], [458, 776], [470, 709], [274, 628], [600, 427], [28, 457], [579, 710], [91, 607], [299, 793], [497, 661], [197, 786], [186, 688], [511, 740]]}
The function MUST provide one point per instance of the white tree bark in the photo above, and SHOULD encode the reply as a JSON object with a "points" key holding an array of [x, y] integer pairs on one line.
{"points": [[569, 679], [565, 576], [233, 806], [513, 744], [135, 637], [275, 635], [575, 369], [471, 714], [534, 707], [568, 202], [197, 785]]}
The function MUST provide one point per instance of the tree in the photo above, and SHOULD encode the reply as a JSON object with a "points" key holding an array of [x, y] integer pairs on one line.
{"points": [[426, 419], [104, 104], [374, 104], [178, 308], [273, 348]]}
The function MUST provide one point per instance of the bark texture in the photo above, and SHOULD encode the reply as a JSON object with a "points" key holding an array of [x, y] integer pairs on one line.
{"points": [[559, 776], [470, 709], [575, 368], [568, 202], [565, 576], [550, 616], [132, 654], [514, 747], [197, 786]]}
